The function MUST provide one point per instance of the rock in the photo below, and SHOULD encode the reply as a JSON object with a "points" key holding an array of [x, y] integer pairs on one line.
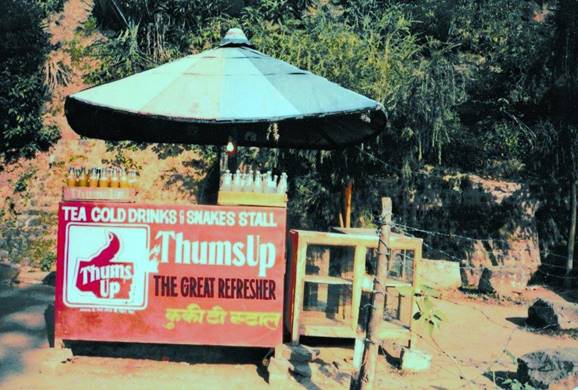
{"points": [[485, 284], [8, 273], [553, 315], [415, 360], [570, 382], [440, 274], [301, 368], [296, 353], [471, 276], [547, 367], [279, 373], [33, 221], [50, 279], [278, 366], [502, 281], [513, 263]]}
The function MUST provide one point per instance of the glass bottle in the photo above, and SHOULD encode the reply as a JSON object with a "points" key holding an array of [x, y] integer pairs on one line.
{"points": [[93, 178], [132, 178], [82, 178], [71, 178], [123, 179], [114, 179], [104, 180]]}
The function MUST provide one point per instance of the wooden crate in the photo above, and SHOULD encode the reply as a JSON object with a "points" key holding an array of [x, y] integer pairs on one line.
{"points": [[235, 198], [98, 194]]}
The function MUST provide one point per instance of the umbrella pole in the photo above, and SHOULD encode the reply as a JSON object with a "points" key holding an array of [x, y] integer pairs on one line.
{"points": [[223, 160], [348, 193]]}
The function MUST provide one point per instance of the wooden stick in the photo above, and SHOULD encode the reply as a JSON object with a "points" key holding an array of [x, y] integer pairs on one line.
{"points": [[367, 372], [348, 192]]}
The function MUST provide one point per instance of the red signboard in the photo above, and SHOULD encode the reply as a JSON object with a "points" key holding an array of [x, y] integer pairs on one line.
{"points": [[207, 275]]}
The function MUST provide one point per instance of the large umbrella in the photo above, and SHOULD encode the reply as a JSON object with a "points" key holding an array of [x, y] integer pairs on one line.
{"points": [[232, 92]]}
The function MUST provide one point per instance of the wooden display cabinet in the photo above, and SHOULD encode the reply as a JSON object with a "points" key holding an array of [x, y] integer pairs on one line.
{"points": [[330, 279]]}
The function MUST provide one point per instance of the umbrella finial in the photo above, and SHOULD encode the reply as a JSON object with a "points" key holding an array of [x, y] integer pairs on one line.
{"points": [[235, 37]]}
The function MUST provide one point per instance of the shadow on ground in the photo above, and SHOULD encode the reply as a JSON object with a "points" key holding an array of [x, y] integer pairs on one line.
{"points": [[501, 378], [22, 325], [519, 321], [192, 354]]}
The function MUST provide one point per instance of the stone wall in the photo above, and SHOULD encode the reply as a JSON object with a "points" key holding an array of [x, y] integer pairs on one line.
{"points": [[479, 223], [30, 191]]}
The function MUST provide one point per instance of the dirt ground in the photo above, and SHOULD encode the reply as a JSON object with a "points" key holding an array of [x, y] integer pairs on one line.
{"points": [[468, 352]]}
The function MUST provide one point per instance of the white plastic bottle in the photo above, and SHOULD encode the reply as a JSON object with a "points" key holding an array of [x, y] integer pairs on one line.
{"points": [[282, 186], [273, 185], [258, 183], [248, 186], [227, 181], [236, 187]]}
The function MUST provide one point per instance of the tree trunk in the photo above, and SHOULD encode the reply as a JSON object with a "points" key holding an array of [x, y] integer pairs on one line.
{"points": [[571, 238]]}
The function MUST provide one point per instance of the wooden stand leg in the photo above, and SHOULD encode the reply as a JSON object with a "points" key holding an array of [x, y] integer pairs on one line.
{"points": [[59, 343]]}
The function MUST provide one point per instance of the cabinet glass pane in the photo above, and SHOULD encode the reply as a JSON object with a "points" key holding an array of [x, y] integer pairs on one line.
{"points": [[334, 261], [399, 268], [328, 301]]}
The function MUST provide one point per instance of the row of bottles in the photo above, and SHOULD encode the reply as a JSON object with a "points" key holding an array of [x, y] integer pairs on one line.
{"points": [[107, 177], [254, 182]]}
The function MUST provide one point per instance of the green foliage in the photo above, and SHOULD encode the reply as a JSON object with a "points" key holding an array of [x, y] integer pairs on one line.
{"points": [[26, 242], [40, 254], [21, 184], [427, 312], [515, 384], [75, 49], [488, 87], [23, 49], [49, 6], [90, 26]]}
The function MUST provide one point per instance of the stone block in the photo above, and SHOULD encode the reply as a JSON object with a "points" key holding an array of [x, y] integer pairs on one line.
{"points": [[415, 360], [296, 353], [279, 377], [503, 281], [278, 366], [440, 274], [301, 368]]}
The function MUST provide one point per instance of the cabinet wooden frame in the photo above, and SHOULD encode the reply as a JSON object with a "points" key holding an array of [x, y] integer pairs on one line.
{"points": [[362, 240]]}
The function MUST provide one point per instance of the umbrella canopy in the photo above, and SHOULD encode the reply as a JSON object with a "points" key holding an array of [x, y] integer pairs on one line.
{"points": [[230, 92]]}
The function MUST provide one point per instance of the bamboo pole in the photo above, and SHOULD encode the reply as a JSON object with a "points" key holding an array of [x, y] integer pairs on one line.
{"points": [[571, 238], [367, 372]]}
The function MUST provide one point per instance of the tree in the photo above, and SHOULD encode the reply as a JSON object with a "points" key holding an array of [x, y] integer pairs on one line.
{"points": [[23, 50]]}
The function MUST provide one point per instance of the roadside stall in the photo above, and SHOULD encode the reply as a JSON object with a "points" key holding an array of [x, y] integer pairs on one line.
{"points": [[198, 274]]}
